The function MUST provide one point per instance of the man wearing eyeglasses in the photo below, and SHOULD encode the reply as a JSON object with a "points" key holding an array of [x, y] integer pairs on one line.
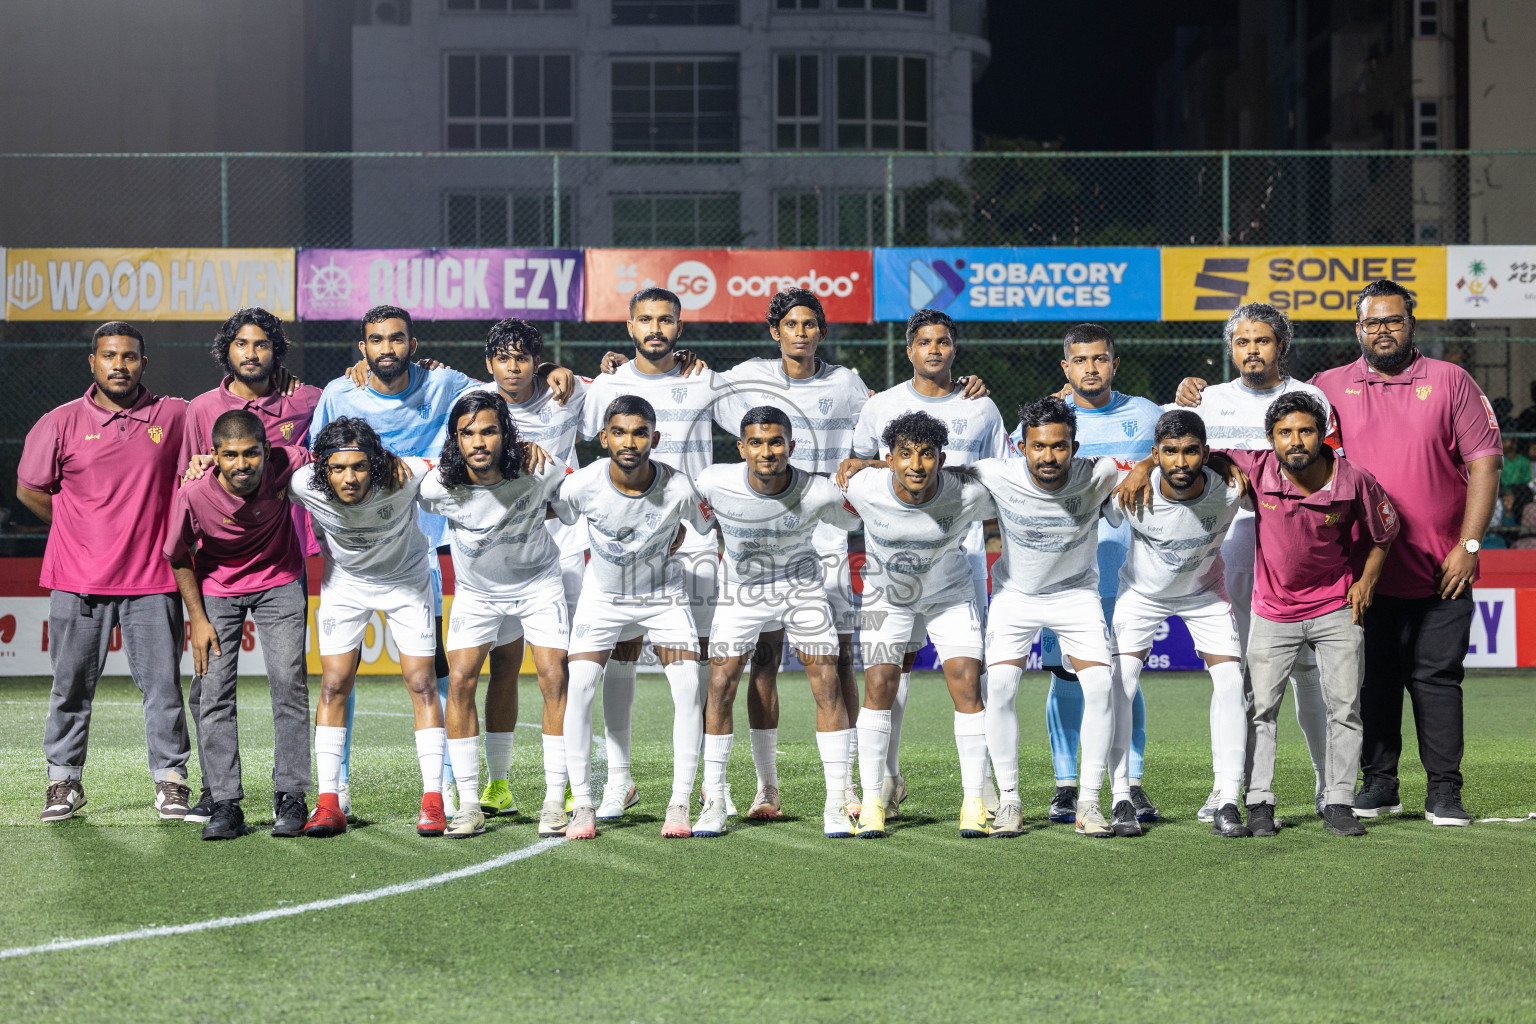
{"points": [[1428, 434]]}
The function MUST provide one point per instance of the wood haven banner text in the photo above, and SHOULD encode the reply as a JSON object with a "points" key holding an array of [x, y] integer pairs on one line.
{"points": [[146, 284]]}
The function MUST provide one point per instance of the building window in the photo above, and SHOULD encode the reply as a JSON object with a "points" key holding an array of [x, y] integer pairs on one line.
{"points": [[503, 6], [797, 219], [909, 6], [882, 102], [1428, 17], [861, 218], [798, 115], [675, 106], [1427, 133], [524, 218], [505, 101], [711, 218], [676, 12], [798, 5]]}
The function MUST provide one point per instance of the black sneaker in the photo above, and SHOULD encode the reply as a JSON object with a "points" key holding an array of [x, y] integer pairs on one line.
{"points": [[228, 821], [289, 812], [1064, 805], [1145, 810], [63, 799], [1261, 820], [1122, 820], [1377, 796], [202, 810], [1341, 821], [1443, 806], [1229, 823]]}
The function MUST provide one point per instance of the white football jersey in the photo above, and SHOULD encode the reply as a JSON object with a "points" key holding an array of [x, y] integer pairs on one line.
{"points": [[497, 536], [553, 427], [379, 541], [914, 551], [1050, 538], [1176, 545], [631, 534], [1234, 418], [769, 538]]}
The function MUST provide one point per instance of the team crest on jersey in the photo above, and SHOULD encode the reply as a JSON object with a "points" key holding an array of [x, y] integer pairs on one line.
{"points": [[286, 430], [423, 411], [679, 395], [1208, 522], [945, 522], [581, 630], [824, 404], [544, 414], [1422, 391], [385, 512], [958, 426], [157, 434], [1072, 505], [652, 519], [1387, 513], [521, 503], [791, 520], [1332, 518], [327, 626], [1129, 428]]}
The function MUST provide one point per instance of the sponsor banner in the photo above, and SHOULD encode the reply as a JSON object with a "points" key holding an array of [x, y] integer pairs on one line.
{"points": [[1019, 284], [1494, 621], [1307, 282], [1490, 282], [730, 285], [441, 284], [146, 284], [2, 273]]}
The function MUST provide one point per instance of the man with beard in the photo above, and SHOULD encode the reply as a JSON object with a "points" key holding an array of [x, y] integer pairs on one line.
{"points": [[1259, 337], [102, 470], [234, 552], [250, 347], [1427, 432]]}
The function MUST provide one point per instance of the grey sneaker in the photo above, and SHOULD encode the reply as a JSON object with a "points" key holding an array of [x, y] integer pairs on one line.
{"points": [[468, 820], [1207, 811], [552, 819], [676, 826], [765, 806], [173, 799], [1009, 820], [1090, 821], [711, 823], [892, 792], [63, 800], [583, 824], [618, 797]]}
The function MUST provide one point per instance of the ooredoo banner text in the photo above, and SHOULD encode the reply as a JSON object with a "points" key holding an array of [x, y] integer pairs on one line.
{"points": [[731, 285], [441, 284]]}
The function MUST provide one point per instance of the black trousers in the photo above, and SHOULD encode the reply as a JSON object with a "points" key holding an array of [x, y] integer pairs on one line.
{"points": [[1417, 644]]}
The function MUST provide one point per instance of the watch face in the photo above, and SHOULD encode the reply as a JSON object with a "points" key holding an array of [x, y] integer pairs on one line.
{"points": [[1472, 546]]}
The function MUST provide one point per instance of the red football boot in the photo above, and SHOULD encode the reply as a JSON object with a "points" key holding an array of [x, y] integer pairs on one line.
{"points": [[327, 819], [432, 821]]}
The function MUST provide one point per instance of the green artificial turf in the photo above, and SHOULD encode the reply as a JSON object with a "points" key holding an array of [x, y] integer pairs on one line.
{"points": [[774, 922]]}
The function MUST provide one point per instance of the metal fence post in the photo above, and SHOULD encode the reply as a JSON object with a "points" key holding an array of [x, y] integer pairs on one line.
{"points": [[890, 202], [1226, 239], [224, 200], [555, 200]]}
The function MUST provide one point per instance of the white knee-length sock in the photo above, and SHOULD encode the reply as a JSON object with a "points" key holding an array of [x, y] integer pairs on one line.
{"points": [[330, 740], [1098, 729], [765, 755], [1126, 681], [834, 764], [556, 769], [874, 731], [430, 746], [1231, 737], [581, 691], [687, 728], [498, 755], [1002, 721], [971, 742], [464, 752], [618, 709], [717, 757], [898, 710]]}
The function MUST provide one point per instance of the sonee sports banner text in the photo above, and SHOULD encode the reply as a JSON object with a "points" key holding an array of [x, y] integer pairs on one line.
{"points": [[1307, 283]]}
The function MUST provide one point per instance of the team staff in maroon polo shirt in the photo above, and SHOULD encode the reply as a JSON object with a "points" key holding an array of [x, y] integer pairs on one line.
{"points": [[102, 470], [1426, 431]]}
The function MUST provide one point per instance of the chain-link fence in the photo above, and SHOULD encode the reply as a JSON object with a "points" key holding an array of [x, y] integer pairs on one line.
{"points": [[784, 200]]}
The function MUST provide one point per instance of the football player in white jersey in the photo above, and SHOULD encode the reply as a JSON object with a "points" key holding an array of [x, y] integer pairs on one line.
{"points": [[1259, 337], [769, 512], [1174, 567], [635, 508], [916, 514], [506, 585], [976, 431], [512, 351], [376, 560]]}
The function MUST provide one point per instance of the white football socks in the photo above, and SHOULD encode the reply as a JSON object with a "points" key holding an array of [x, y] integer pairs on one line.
{"points": [[717, 757], [618, 707], [834, 765], [464, 752], [1231, 736], [971, 742], [765, 755], [687, 727], [853, 751], [1098, 730], [898, 710], [874, 731], [580, 692], [1002, 720], [431, 744], [498, 755], [555, 768], [329, 742], [1127, 678]]}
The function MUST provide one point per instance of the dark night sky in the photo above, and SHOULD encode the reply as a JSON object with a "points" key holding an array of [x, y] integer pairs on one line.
{"points": [[1084, 71]]}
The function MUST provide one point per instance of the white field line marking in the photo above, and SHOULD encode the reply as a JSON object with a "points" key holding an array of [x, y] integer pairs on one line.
{"points": [[242, 707], [512, 857]]}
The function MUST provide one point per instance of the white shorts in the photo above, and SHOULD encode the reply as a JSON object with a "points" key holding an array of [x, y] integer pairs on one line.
{"points": [[573, 569], [951, 619], [538, 614], [699, 579], [837, 583], [435, 571], [346, 608], [1208, 616], [1076, 617], [601, 622], [743, 612]]}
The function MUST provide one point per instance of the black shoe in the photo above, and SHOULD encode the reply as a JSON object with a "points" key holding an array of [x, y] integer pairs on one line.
{"points": [[1229, 823], [1443, 806], [290, 813], [202, 810], [1064, 805], [1261, 820], [228, 821], [1145, 811], [1377, 796], [1341, 821], [1122, 820]]}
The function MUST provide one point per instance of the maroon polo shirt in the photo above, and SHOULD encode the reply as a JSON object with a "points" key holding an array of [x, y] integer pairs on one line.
{"points": [[113, 477], [1415, 433], [1306, 551]]}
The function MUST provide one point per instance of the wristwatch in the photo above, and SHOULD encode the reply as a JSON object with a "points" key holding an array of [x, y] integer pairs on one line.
{"points": [[1472, 546]]}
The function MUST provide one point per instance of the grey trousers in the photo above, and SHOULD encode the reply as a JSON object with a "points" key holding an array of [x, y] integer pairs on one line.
{"points": [[280, 615], [1339, 645], [79, 637]]}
